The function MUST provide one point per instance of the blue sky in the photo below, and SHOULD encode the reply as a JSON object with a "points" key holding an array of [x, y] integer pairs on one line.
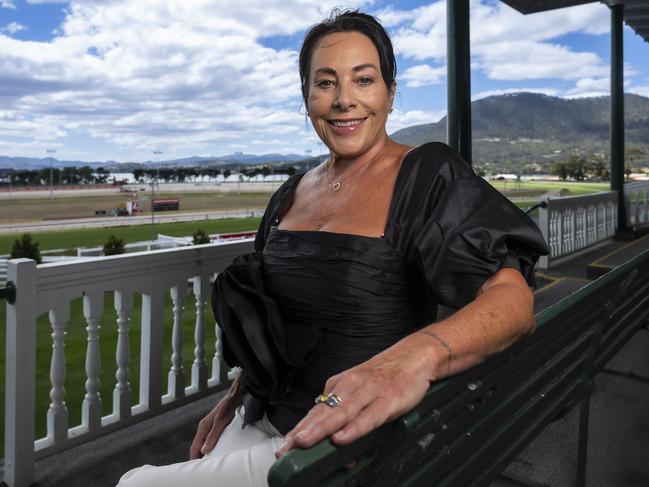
{"points": [[117, 79]]}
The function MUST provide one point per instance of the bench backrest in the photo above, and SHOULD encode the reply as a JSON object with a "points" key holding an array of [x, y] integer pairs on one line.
{"points": [[468, 428]]}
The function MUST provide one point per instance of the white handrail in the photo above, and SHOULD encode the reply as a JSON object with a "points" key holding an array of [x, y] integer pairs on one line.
{"points": [[573, 223]]}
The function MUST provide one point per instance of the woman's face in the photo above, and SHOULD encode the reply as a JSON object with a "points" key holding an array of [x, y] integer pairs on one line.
{"points": [[347, 99]]}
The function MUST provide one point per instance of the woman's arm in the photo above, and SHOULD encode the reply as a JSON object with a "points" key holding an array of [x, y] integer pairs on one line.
{"points": [[394, 381], [211, 426]]}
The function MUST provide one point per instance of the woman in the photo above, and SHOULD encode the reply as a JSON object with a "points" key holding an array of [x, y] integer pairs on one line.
{"points": [[339, 301]]}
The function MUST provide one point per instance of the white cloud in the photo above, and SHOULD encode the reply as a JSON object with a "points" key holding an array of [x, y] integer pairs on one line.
{"points": [[639, 90], [587, 87], [505, 44], [186, 75], [422, 31], [423, 75], [8, 4], [399, 119], [13, 27], [200, 76], [509, 60]]}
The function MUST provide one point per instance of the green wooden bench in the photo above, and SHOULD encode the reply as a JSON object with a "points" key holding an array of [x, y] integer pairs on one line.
{"points": [[468, 428]]}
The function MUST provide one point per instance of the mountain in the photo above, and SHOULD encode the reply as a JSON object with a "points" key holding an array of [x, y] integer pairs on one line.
{"points": [[263, 159], [512, 132], [519, 129], [232, 159]]}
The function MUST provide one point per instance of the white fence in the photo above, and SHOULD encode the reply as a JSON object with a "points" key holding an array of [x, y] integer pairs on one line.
{"points": [[50, 288], [574, 223], [636, 195]]}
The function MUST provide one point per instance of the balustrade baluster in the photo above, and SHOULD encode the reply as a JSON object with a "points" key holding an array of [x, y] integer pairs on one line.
{"points": [[57, 414], [219, 367], [176, 384], [199, 367], [122, 392], [572, 235], [151, 348], [559, 234], [93, 306]]}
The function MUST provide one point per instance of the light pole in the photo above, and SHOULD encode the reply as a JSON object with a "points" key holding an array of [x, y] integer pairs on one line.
{"points": [[49, 153]]}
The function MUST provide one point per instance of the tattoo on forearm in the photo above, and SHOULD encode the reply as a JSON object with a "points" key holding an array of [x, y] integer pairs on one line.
{"points": [[443, 344]]}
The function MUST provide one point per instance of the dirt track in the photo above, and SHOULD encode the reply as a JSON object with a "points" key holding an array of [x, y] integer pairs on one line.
{"points": [[36, 209]]}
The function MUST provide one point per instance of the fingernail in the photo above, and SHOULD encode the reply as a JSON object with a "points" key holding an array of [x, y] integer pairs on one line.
{"points": [[203, 448], [340, 435]]}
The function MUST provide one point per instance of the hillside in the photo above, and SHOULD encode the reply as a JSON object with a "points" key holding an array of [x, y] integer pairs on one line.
{"points": [[515, 130]]}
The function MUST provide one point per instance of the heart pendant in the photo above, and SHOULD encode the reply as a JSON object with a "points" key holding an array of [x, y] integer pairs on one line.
{"points": [[335, 186]]}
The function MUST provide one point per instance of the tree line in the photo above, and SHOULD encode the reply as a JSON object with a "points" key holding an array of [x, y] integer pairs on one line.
{"points": [[67, 175], [88, 175], [181, 174]]}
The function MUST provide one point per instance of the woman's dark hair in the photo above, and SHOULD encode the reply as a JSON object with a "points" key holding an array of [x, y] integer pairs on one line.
{"points": [[349, 21]]}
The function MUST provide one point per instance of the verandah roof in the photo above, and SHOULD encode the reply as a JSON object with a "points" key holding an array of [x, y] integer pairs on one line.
{"points": [[636, 12]]}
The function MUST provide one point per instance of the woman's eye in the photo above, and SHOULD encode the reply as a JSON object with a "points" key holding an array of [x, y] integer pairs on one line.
{"points": [[324, 83], [365, 80]]}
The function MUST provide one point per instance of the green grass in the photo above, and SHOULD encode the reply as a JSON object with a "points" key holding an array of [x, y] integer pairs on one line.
{"points": [[571, 187], [94, 237]]}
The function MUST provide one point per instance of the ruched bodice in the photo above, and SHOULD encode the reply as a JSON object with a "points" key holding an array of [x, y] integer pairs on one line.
{"points": [[356, 290], [307, 305]]}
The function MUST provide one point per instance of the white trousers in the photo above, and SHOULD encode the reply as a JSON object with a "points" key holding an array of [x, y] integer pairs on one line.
{"points": [[241, 458]]}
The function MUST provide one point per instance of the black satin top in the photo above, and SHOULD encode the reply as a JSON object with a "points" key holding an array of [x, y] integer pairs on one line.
{"points": [[307, 305]]}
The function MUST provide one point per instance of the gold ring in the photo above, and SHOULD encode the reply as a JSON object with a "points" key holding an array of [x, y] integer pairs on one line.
{"points": [[332, 400]]}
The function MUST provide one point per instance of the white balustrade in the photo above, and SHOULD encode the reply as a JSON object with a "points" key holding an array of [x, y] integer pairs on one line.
{"points": [[93, 306], [57, 414], [636, 195], [219, 369], [573, 223], [176, 386], [123, 301], [51, 288], [199, 367]]}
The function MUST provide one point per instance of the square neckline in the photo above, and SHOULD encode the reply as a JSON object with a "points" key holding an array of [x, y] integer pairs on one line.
{"points": [[289, 202]]}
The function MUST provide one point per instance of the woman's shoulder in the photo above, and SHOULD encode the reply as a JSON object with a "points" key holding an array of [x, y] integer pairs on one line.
{"points": [[436, 159], [285, 191]]}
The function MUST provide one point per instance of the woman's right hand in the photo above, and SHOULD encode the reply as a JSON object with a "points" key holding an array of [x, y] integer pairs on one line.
{"points": [[211, 426]]}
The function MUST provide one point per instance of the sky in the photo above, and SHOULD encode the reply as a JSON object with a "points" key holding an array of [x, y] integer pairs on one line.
{"points": [[99, 80]]}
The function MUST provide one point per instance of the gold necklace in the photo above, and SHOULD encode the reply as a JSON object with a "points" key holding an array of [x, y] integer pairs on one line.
{"points": [[332, 186], [338, 184]]}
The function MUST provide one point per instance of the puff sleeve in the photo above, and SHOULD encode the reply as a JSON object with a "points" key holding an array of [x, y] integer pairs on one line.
{"points": [[465, 230], [471, 234]]}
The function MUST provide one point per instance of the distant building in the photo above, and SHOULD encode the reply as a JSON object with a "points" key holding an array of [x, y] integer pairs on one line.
{"points": [[508, 177]]}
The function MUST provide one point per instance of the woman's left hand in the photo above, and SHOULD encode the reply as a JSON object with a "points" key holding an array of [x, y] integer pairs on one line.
{"points": [[377, 391]]}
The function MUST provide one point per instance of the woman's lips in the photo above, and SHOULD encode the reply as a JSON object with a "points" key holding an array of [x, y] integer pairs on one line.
{"points": [[345, 127]]}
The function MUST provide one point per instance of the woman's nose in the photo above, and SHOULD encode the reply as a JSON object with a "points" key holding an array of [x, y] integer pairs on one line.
{"points": [[344, 100]]}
